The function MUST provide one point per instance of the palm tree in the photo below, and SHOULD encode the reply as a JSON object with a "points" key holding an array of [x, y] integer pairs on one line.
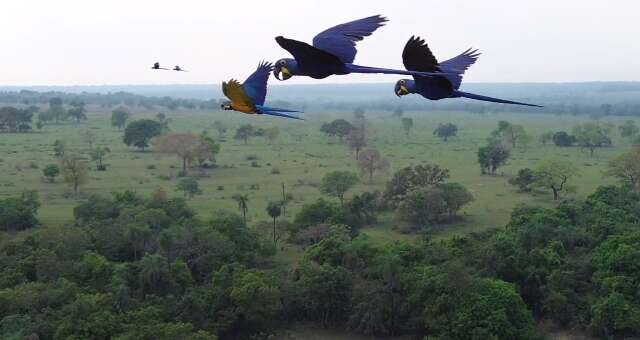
{"points": [[274, 209], [242, 200]]}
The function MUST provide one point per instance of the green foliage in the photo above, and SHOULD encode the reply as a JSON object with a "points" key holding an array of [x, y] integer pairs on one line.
{"points": [[409, 178], [492, 156], [337, 183], [244, 132], [51, 171], [189, 186], [523, 180], [407, 125], [626, 168], [119, 117], [592, 136], [445, 131], [555, 175], [15, 120], [563, 139], [139, 132], [19, 213], [628, 129], [338, 127]]}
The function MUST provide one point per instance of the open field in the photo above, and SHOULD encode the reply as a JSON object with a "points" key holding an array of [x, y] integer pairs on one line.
{"points": [[302, 154]]}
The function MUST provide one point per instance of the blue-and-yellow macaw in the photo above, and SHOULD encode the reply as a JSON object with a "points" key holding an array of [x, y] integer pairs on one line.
{"points": [[249, 96], [332, 53], [417, 56]]}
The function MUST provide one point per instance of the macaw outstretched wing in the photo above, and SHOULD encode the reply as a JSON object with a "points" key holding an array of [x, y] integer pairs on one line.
{"points": [[308, 54], [417, 56], [234, 91], [459, 65], [256, 85], [341, 40]]}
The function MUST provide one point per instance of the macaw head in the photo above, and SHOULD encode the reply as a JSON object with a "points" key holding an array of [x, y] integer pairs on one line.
{"points": [[226, 106], [287, 67], [403, 87]]}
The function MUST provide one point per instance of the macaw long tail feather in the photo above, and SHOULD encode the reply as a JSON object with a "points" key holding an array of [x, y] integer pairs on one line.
{"points": [[366, 69], [267, 108], [280, 114], [489, 99]]}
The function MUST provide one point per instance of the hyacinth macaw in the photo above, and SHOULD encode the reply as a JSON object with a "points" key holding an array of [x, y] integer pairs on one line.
{"points": [[417, 56], [249, 96], [332, 53]]}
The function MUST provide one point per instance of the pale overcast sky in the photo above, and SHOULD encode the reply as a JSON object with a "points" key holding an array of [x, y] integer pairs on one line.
{"points": [[91, 42]]}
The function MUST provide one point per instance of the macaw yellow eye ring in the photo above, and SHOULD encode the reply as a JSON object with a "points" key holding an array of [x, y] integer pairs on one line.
{"points": [[401, 82], [282, 62]]}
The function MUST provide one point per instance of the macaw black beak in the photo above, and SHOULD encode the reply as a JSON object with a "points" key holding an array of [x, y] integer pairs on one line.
{"points": [[286, 74]]}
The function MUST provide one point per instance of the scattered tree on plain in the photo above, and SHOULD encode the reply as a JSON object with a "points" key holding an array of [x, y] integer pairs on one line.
{"points": [[338, 127], [546, 137], [77, 111], [74, 171], [98, 155], [524, 179], [508, 133], [554, 175], [628, 129], [272, 134], [357, 139], [220, 128], [59, 148], [371, 161], [274, 209], [89, 137], [407, 125], [50, 172], [563, 139], [140, 132], [243, 204], [626, 168], [492, 156], [409, 178], [445, 131], [15, 120], [591, 136], [244, 132], [187, 147], [119, 117], [189, 187], [337, 183]]}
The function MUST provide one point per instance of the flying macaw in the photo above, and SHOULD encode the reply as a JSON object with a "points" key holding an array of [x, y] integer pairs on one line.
{"points": [[416, 56], [156, 66], [249, 96], [332, 53], [179, 69]]}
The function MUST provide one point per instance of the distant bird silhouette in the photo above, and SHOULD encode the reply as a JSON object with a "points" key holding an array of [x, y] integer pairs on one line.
{"points": [[177, 68], [156, 66], [417, 56], [249, 96], [332, 53]]}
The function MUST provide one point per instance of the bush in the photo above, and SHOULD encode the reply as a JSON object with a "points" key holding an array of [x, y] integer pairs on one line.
{"points": [[275, 171]]}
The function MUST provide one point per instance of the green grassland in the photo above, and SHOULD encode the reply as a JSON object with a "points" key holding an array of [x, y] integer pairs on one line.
{"points": [[302, 154]]}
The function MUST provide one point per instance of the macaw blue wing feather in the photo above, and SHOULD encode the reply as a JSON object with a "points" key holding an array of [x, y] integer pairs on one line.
{"points": [[341, 40], [459, 65], [366, 69], [256, 85], [279, 113], [489, 99], [268, 108]]}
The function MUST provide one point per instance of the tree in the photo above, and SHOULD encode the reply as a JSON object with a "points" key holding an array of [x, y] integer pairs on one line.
{"points": [[244, 132], [74, 171], [51, 171], [407, 125], [189, 186], [56, 110], [445, 131], [397, 112], [337, 183], [77, 111], [97, 155], [563, 139], [187, 147], [508, 133], [357, 139], [220, 127], [207, 150], [371, 161], [409, 178], [15, 120], [89, 137], [628, 129], [492, 156], [164, 121], [554, 175], [139, 132], [274, 209], [243, 204], [272, 134], [119, 117], [455, 196], [546, 137], [524, 179], [19, 213], [338, 127], [59, 148], [591, 136], [422, 205], [358, 113], [626, 167]]}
